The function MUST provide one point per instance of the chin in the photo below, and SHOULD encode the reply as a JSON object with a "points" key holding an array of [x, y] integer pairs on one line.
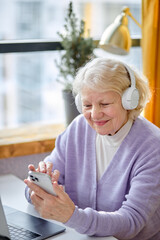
{"points": [[101, 131], [106, 133]]}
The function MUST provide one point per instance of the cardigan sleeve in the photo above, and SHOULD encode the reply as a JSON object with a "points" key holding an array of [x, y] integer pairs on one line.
{"points": [[139, 215]]}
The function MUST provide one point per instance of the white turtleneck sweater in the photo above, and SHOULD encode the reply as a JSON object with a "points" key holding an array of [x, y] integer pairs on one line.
{"points": [[106, 147]]}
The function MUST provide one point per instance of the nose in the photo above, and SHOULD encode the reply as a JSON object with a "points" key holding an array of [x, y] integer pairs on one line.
{"points": [[96, 112]]}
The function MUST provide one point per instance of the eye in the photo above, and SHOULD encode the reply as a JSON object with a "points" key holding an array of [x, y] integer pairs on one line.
{"points": [[105, 104], [87, 106]]}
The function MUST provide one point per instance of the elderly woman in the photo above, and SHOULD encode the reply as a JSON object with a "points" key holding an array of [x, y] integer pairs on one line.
{"points": [[108, 159]]}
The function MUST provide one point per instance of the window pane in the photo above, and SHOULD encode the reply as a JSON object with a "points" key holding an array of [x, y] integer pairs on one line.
{"points": [[29, 91], [43, 18]]}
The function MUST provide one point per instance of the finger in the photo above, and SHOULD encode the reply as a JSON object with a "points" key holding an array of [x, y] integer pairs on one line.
{"points": [[33, 187], [59, 190], [36, 201], [49, 167], [31, 167], [42, 167], [62, 188], [55, 176]]}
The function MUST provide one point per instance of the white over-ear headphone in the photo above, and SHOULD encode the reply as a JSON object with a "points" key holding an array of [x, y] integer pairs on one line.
{"points": [[130, 97], [78, 103]]}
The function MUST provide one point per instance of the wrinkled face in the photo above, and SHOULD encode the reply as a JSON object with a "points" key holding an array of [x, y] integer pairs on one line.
{"points": [[103, 111]]}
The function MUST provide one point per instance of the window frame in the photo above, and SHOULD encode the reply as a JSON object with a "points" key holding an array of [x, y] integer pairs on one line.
{"points": [[36, 45]]}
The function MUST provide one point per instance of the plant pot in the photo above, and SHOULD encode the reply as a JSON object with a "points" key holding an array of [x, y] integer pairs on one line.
{"points": [[69, 105]]}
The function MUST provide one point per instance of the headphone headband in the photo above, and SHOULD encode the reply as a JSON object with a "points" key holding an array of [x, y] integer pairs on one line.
{"points": [[131, 75]]}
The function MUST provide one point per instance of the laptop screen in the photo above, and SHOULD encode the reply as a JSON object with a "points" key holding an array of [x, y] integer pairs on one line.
{"points": [[4, 232]]}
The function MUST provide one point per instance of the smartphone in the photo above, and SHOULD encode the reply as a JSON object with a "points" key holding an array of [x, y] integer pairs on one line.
{"points": [[43, 180]]}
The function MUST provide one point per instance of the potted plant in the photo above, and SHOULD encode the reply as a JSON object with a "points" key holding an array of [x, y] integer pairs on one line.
{"points": [[77, 51]]}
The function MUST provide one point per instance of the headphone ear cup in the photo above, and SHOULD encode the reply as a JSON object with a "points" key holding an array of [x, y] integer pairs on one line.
{"points": [[130, 98], [78, 103]]}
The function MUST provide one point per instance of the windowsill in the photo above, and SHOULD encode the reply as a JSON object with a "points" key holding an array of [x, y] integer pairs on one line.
{"points": [[32, 139]]}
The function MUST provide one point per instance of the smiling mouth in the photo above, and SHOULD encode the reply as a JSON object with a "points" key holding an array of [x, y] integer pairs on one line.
{"points": [[100, 123]]}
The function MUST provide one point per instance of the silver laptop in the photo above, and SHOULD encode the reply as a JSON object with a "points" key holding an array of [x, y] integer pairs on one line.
{"points": [[17, 225]]}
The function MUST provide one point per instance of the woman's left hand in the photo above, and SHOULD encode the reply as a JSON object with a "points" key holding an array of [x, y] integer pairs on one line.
{"points": [[59, 208]]}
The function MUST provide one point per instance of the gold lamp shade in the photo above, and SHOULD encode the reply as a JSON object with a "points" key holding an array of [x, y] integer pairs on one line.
{"points": [[116, 38]]}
